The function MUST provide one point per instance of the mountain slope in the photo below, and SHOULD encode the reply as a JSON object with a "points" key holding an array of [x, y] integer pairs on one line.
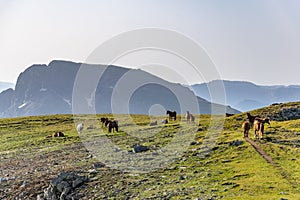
{"points": [[30, 160], [48, 89], [248, 96]]}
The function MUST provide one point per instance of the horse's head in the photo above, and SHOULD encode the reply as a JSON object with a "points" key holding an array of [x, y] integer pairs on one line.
{"points": [[267, 120], [168, 112]]}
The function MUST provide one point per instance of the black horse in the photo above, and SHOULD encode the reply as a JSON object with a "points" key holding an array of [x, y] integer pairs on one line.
{"points": [[103, 121], [110, 124], [171, 114], [113, 125]]}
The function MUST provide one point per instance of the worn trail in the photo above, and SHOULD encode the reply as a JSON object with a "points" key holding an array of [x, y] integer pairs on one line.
{"points": [[260, 151]]}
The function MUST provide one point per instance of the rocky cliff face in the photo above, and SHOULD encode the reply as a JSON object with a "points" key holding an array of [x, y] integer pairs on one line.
{"points": [[47, 89]]}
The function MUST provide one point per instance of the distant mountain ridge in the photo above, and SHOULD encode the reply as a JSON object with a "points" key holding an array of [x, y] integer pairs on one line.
{"points": [[246, 96], [6, 85], [48, 89]]}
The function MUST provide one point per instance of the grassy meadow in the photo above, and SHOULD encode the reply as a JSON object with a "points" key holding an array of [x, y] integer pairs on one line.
{"points": [[31, 158]]}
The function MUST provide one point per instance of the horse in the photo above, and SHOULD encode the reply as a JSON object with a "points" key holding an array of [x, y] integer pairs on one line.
{"points": [[171, 115], [103, 120], [251, 118], [189, 117], [246, 128], [259, 126], [80, 127], [228, 114], [112, 125]]}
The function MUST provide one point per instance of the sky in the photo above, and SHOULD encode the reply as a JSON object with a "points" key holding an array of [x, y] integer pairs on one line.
{"points": [[250, 40]]}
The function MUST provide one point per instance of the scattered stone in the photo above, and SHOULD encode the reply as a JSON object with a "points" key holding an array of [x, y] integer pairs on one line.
{"points": [[236, 143], [24, 184], [54, 163], [200, 129], [193, 143], [283, 199], [153, 123], [62, 186], [181, 177], [139, 148], [90, 127], [92, 171], [117, 149], [5, 179], [98, 165]]}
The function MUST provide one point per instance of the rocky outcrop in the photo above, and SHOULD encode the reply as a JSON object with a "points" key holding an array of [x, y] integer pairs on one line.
{"points": [[62, 187], [286, 113]]}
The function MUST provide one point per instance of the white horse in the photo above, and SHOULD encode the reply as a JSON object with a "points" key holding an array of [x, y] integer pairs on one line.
{"points": [[80, 127]]}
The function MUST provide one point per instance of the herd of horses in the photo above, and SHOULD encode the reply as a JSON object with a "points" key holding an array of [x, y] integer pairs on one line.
{"points": [[112, 125], [258, 125], [252, 120]]}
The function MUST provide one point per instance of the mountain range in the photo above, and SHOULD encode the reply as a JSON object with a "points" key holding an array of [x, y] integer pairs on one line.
{"points": [[6, 85], [48, 89], [246, 96]]}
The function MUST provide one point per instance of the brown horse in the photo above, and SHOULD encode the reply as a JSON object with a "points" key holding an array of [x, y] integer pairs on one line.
{"points": [[189, 117], [246, 128], [251, 118], [259, 126]]}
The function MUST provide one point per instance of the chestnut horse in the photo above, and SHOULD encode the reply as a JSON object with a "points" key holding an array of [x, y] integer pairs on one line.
{"points": [[259, 126]]}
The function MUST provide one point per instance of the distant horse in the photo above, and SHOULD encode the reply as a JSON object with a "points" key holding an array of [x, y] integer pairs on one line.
{"points": [[103, 120], [228, 114], [259, 126], [171, 115], [189, 117], [110, 124], [246, 128], [251, 118], [80, 127]]}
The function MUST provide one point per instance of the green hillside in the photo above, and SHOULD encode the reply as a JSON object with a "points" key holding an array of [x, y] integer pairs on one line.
{"points": [[30, 159]]}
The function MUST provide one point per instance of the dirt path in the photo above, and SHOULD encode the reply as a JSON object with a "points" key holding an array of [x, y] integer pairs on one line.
{"points": [[260, 151]]}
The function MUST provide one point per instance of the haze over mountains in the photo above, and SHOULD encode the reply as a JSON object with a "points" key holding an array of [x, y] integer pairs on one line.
{"points": [[246, 96], [48, 89], [6, 85]]}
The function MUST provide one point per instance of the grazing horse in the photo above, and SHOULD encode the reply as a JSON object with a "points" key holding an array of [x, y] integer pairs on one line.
{"points": [[251, 118], [189, 117], [103, 120], [80, 127], [246, 128], [171, 115], [258, 126], [228, 114], [112, 125]]}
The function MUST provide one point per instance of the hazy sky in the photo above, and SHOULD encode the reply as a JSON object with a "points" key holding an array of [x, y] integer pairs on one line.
{"points": [[252, 40]]}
